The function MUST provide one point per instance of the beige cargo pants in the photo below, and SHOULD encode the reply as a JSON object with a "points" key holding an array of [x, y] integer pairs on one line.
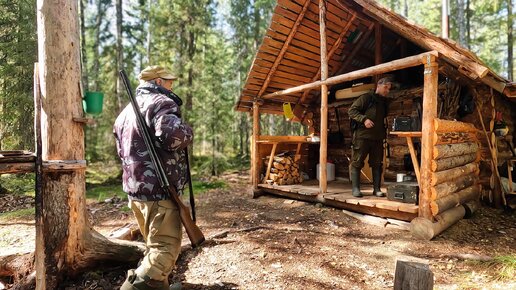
{"points": [[160, 226]]}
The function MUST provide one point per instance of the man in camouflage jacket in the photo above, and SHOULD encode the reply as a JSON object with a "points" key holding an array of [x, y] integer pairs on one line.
{"points": [[369, 112], [157, 216]]}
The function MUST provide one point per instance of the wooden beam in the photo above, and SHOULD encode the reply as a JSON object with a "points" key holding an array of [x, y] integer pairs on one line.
{"points": [[11, 168], [284, 48], [330, 54], [424, 229], [431, 74], [255, 154], [323, 182], [455, 55], [269, 165], [398, 64]]}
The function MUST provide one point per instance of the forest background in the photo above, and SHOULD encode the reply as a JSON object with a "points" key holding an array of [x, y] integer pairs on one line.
{"points": [[210, 45]]}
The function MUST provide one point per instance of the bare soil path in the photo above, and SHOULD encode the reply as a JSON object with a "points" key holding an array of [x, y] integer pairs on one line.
{"points": [[274, 243]]}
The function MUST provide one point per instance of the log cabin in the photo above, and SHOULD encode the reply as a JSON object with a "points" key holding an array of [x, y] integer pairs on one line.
{"points": [[318, 56]]}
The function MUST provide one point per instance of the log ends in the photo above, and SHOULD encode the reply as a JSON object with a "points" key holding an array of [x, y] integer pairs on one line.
{"points": [[424, 229]]}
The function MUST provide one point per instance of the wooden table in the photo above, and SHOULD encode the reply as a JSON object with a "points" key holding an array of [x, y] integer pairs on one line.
{"points": [[275, 140], [413, 155]]}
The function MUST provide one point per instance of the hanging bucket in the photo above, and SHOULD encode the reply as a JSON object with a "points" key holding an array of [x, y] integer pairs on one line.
{"points": [[92, 103]]}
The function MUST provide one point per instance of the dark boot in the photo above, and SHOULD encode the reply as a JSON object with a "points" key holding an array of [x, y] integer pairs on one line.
{"points": [[355, 182], [135, 282], [377, 180]]}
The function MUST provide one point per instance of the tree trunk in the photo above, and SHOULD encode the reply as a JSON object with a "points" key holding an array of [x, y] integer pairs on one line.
{"points": [[96, 46], [510, 58], [84, 64], [65, 242], [149, 32], [119, 53], [461, 23], [468, 25]]}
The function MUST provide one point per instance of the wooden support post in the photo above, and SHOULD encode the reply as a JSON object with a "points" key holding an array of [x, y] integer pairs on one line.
{"points": [[269, 165], [256, 156], [413, 274], [323, 183], [431, 74], [415, 160]]}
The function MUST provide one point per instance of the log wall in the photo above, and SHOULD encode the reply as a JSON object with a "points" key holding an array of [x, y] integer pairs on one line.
{"points": [[454, 171]]}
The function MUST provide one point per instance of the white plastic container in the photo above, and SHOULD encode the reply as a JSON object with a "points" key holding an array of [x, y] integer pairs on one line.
{"points": [[330, 171]]}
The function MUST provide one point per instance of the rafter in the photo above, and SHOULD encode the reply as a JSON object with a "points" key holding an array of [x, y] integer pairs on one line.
{"points": [[284, 48], [330, 54]]}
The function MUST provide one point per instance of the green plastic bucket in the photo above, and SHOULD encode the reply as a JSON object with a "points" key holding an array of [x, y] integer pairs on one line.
{"points": [[92, 103]]}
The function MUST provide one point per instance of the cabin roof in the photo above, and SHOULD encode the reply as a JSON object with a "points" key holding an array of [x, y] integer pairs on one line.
{"points": [[289, 55]]}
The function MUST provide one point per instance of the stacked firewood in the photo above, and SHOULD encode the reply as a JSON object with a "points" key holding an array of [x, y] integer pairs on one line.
{"points": [[284, 171]]}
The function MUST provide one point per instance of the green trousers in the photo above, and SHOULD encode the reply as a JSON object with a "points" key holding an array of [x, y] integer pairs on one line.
{"points": [[364, 147], [160, 226]]}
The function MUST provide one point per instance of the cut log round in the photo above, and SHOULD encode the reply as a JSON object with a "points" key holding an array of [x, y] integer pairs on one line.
{"points": [[452, 162], [440, 205], [278, 165], [452, 150], [454, 173], [453, 126], [424, 229], [446, 188], [413, 273]]}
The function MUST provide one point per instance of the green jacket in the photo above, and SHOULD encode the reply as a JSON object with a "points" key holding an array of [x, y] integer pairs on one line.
{"points": [[369, 106]]}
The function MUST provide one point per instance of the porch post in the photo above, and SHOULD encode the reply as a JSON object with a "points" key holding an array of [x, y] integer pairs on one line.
{"points": [[431, 74], [255, 157], [324, 99]]}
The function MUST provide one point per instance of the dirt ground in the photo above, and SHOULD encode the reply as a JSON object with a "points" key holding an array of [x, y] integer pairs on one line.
{"points": [[275, 243]]}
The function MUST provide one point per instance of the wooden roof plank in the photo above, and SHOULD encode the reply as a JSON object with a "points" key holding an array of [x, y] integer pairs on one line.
{"points": [[284, 48]]}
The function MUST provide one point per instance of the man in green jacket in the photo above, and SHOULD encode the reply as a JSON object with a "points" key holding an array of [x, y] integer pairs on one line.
{"points": [[368, 113]]}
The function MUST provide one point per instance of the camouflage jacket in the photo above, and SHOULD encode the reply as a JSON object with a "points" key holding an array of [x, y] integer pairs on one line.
{"points": [[373, 107], [162, 116]]}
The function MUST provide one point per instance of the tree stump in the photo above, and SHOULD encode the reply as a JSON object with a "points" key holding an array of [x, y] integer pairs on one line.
{"points": [[413, 274]]}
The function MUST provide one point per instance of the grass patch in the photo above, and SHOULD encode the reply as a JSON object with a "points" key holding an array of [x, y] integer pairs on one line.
{"points": [[103, 173], [102, 192], [200, 186], [26, 213], [501, 268], [19, 184]]}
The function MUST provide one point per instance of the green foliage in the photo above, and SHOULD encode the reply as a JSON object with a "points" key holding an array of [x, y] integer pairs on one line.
{"points": [[200, 186], [18, 52], [20, 184]]}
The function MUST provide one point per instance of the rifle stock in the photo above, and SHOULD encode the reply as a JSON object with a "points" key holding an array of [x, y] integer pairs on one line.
{"points": [[192, 230]]}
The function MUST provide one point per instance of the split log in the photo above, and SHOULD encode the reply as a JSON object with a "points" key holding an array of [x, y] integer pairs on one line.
{"points": [[440, 205], [454, 173], [413, 274], [453, 126], [446, 188], [452, 150], [423, 229], [278, 165], [452, 162], [454, 137], [470, 207]]}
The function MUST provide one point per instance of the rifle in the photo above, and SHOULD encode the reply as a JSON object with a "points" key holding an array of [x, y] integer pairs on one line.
{"points": [[192, 230]]}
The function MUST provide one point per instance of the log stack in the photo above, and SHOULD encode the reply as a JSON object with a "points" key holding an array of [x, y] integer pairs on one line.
{"points": [[454, 177], [284, 171]]}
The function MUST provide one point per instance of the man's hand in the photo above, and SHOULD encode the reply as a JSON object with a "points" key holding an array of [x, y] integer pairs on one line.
{"points": [[368, 123]]}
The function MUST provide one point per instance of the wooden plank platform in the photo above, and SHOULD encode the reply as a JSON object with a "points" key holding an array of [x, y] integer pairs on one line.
{"points": [[339, 196]]}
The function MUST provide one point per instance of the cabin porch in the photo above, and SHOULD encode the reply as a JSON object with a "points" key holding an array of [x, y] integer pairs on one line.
{"points": [[338, 195]]}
